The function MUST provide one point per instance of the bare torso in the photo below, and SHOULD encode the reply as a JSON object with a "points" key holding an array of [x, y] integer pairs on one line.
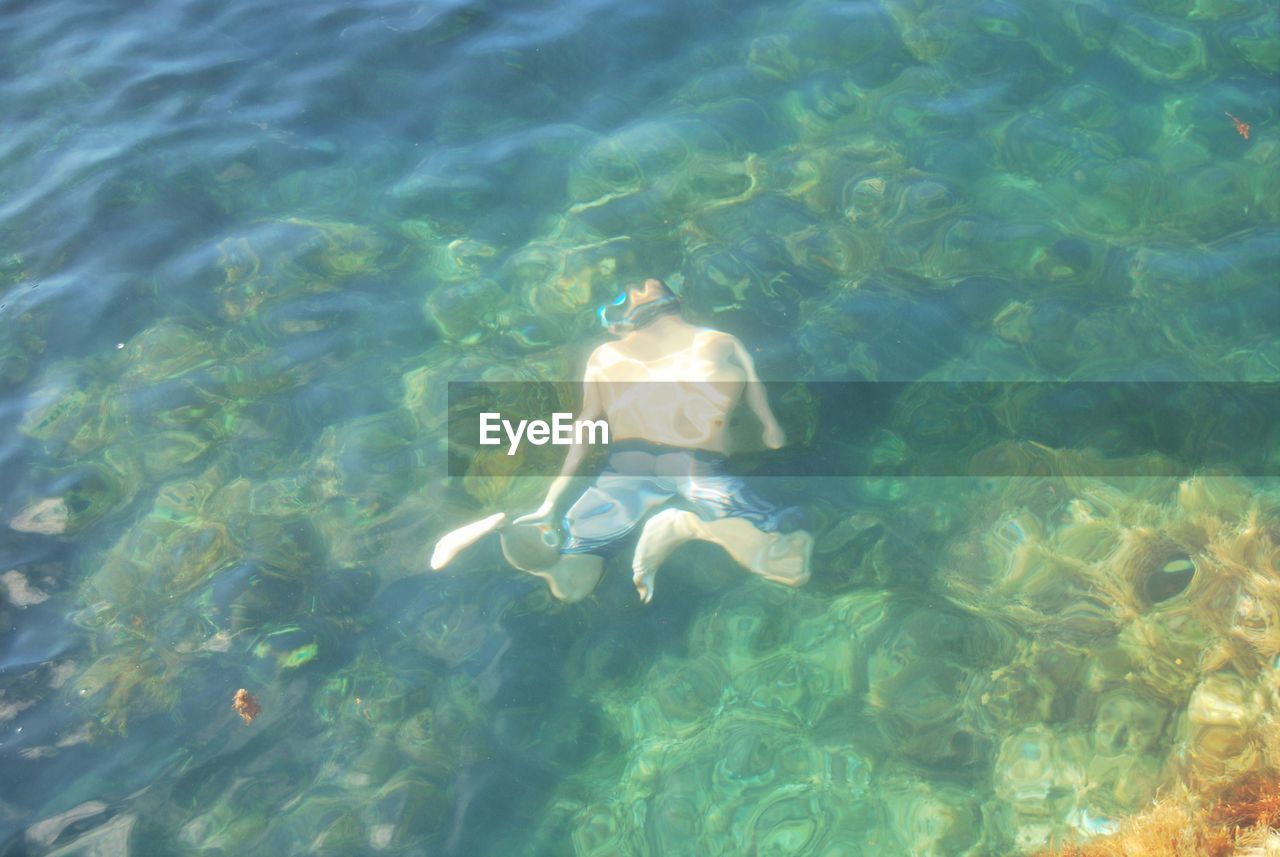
{"points": [[670, 383]]}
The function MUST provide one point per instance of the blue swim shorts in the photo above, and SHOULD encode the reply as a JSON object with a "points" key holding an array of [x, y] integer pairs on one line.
{"points": [[641, 476]]}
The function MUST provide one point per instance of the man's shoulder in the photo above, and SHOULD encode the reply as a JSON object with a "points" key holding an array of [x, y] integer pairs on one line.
{"points": [[712, 336], [602, 356], [603, 351]]}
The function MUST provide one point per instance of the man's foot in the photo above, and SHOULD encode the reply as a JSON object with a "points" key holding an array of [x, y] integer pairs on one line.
{"points": [[662, 534], [462, 538]]}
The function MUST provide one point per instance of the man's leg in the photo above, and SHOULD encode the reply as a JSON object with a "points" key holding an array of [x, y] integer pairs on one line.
{"points": [[464, 537], [604, 515], [780, 557], [571, 577], [574, 577]]}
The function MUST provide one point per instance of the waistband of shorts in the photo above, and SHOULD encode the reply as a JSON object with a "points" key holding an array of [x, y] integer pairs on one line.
{"points": [[632, 444]]}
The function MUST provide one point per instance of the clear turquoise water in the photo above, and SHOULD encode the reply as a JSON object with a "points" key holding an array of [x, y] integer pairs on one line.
{"points": [[244, 248]]}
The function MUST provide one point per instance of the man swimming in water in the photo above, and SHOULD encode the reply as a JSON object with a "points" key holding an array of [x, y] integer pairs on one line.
{"points": [[668, 440]]}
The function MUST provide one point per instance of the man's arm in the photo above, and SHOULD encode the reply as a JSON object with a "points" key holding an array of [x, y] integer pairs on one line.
{"points": [[757, 400], [591, 410]]}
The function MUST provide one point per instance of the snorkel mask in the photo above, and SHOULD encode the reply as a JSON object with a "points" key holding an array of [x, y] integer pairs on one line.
{"points": [[638, 305]]}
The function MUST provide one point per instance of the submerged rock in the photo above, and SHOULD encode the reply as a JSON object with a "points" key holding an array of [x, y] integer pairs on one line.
{"points": [[47, 517]]}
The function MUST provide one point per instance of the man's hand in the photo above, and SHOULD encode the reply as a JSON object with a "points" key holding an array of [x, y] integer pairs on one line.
{"points": [[541, 515], [774, 436]]}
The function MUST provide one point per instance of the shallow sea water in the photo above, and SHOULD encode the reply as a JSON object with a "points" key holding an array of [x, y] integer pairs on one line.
{"points": [[243, 249]]}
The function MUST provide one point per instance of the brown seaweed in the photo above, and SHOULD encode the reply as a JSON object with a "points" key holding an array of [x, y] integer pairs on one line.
{"points": [[1238, 817], [246, 706]]}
